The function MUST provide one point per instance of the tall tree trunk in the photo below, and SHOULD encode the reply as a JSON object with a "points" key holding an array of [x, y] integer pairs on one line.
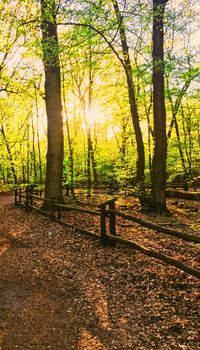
{"points": [[132, 102], [54, 167], [158, 186]]}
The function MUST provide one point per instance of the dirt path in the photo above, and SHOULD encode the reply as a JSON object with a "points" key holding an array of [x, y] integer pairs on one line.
{"points": [[61, 290]]}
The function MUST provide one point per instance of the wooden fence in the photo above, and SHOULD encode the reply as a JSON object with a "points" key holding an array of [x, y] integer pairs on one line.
{"points": [[108, 215]]}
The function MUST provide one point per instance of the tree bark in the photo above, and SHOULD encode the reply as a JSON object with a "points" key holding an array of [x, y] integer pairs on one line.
{"points": [[54, 166], [158, 185]]}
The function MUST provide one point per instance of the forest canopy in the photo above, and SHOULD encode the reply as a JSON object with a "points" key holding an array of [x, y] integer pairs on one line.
{"points": [[100, 93]]}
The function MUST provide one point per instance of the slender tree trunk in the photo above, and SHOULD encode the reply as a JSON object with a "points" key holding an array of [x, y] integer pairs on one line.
{"points": [[71, 151], [3, 175], [133, 106], [181, 150], [158, 186], [89, 180], [90, 93], [54, 166], [39, 153], [188, 141], [38, 136], [28, 156], [124, 140], [150, 131], [175, 108], [90, 150], [22, 161], [33, 151], [9, 154], [23, 174], [93, 161]]}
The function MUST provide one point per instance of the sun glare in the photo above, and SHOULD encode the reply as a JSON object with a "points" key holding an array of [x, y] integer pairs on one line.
{"points": [[111, 131], [95, 116]]}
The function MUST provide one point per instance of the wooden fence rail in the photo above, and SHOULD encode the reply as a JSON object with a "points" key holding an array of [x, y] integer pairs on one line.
{"points": [[108, 215], [158, 228]]}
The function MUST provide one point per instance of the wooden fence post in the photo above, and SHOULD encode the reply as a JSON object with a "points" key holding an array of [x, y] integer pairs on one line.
{"points": [[16, 195], [31, 192], [103, 225], [104, 238], [20, 192], [27, 199], [112, 218]]}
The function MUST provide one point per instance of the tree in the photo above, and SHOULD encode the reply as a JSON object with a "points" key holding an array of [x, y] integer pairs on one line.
{"points": [[10, 157], [180, 73], [50, 46], [158, 186], [94, 85], [133, 105]]}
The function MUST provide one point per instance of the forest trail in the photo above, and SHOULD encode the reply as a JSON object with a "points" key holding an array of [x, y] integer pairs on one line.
{"points": [[62, 290]]}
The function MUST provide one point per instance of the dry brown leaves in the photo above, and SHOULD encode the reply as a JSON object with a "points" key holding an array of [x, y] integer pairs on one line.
{"points": [[62, 290]]}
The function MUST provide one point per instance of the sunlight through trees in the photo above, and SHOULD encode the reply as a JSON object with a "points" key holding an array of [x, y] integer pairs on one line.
{"points": [[79, 106]]}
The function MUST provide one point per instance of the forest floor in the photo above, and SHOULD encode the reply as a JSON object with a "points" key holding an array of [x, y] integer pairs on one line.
{"points": [[61, 290]]}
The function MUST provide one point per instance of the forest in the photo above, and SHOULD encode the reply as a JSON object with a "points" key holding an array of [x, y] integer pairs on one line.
{"points": [[98, 93], [99, 174]]}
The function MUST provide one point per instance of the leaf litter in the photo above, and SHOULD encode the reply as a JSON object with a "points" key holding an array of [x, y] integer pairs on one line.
{"points": [[61, 290]]}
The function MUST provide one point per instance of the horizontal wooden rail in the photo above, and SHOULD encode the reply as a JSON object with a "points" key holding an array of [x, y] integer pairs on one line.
{"points": [[78, 228], [157, 255], [68, 207], [112, 238], [40, 210], [170, 232], [22, 195], [109, 201], [132, 244], [40, 198], [37, 197], [183, 195]]}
